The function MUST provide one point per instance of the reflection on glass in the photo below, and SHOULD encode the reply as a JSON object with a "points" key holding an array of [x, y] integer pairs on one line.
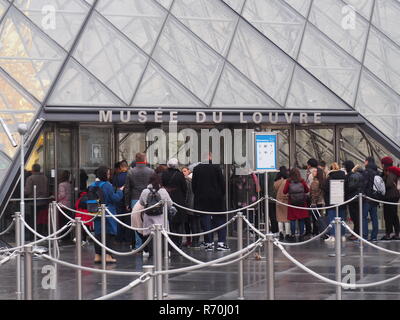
{"points": [[130, 143]]}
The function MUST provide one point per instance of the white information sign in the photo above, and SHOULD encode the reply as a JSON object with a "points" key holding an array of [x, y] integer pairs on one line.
{"points": [[336, 191], [266, 151]]}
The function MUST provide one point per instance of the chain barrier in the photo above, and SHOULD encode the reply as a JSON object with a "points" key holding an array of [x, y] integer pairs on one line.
{"points": [[142, 279], [223, 212], [8, 228]]}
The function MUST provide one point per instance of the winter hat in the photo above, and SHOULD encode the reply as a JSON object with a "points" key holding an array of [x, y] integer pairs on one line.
{"points": [[387, 161], [173, 163]]}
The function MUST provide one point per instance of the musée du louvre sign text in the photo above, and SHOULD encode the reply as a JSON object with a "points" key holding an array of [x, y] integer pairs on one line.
{"points": [[272, 117]]}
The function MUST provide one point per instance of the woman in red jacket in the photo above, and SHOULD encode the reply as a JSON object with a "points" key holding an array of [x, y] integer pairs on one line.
{"points": [[297, 189]]}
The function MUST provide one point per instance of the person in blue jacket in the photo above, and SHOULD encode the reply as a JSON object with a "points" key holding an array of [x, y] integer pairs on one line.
{"points": [[112, 199]]}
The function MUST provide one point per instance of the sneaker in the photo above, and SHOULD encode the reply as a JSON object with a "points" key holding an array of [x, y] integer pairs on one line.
{"points": [[330, 239], [302, 238], [281, 237], [146, 254], [343, 239], [397, 238], [287, 237], [84, 243], [222, 247], [203, 244], [209, 247], [373, 240], [352, 238], [386, 238], [292, 238]]}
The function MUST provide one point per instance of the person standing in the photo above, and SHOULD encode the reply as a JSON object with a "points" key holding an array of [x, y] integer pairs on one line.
{"points": [[335, 173], [282, 210], [136, 181], [353, 186], [174, 182], [41, 182], [317, 197], [64, 195], [312, 165], [111, 200], [297, 189], [391, 176], [209, 190], [370, 207]]}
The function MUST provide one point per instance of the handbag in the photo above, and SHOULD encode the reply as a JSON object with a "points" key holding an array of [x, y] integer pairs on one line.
{"points": [[322, 222]]}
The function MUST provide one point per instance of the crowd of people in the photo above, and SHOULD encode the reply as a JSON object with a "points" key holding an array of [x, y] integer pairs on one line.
{"points": [[314, 192], [127, 188]]}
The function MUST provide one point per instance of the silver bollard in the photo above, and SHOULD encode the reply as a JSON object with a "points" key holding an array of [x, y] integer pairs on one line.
{"points": [[150, 283], [103, 249], [34, 213], [240, 247], [360, 212], [28, 294], [270, 267], [19, 265], [78, 256], [157, 254], [54, 242], [338, 255], [166, 257]]}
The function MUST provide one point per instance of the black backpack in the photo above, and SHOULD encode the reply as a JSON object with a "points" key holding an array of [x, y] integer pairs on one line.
{"points": [[356, 182], [95, 197], [297, 196], [152, 199]]}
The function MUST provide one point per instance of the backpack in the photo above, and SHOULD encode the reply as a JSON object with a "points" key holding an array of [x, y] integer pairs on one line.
{"points": [[95, 197], [355, 182], [378, 188], [297, 196], [83, 202], [152, 199]]}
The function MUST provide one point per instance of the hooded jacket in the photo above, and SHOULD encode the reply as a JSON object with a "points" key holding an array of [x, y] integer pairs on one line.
{"points": [[371, 170]]}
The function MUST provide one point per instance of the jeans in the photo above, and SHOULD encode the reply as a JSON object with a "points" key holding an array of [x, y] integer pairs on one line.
{"points": [[355, 215], [136, 239], [331, 217], [301, 226], [212, 222], [109, 243], [372, 209]]}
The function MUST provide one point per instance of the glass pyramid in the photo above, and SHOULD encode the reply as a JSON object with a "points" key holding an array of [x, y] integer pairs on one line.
{"points": [[275, 54]]}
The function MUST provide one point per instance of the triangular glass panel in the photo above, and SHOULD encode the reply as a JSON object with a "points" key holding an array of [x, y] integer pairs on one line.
{"points": [[261, 61], [363, 7], [386, 18], [235, 4], [27, 55], [301, 6], [330, 64], [380, 105], [307, 93], [211, 20], [165, 3], [235, 91], [77, 87], [189, 60], [60, 19], [140, 20], [110, 57], [158, 89], [329, 17], [278, 21]]}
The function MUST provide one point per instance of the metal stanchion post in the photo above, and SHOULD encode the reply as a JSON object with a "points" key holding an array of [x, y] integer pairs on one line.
{"points": [[78, 257], [49, 222], [360, 219], [270, 267], [18, 243], [248, 228], [55, 243], [158, 259], [338, 255], [28, 273], [103, 249], [150, 283], [240, 247], [166, 254], [34, 213]]}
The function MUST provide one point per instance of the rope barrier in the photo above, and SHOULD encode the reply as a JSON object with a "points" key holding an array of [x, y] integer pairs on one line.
{"points": [[36, 242], [333, 282], [8, 228], [133, 284], [77, 267], [8, 258], [42, 236], [381, 201], [224, 212], [125, 225], [309, 240], [312, 209], [262, 235], [117, 252], [367, 242], [202, 233]]}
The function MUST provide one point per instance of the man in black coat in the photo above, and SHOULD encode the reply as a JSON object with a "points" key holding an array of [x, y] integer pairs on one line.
{"points": [[208, 187]]}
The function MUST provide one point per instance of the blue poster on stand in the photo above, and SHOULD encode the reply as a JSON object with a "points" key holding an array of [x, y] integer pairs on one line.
{"points": [[266, 151]]}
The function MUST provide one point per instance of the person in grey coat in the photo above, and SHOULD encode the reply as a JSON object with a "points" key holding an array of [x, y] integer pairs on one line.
{"points": [[136, 181]]}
